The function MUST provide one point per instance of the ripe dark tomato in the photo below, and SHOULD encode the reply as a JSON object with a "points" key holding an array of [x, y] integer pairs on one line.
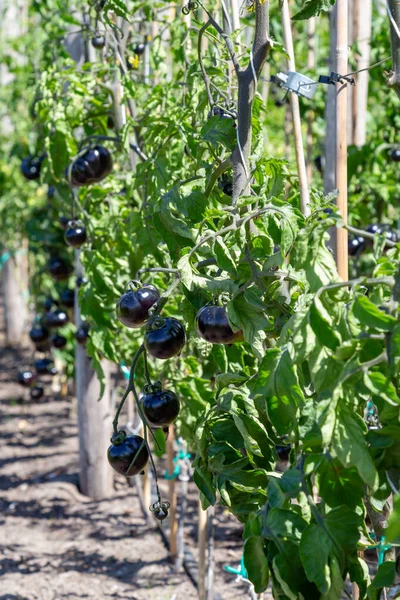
{"points": [[39, 334], [381, 228], [213, 326], [218, 111], [48, 304], [127, 455], [279, 103], [36, 393], [356, 245], [133, 306], [56, 318], [283, 452], [110, 122], [43, 366], [68, 298], [226, 185], [75, 234], [59, 341], [80, 281], [59, 269], [82, 334], [139, 49], [161, 407], [160, 510], [93, 166], [26, 378], [374, 228], [30, 168], [396, 155], [164, 338], [63, 220], [98, 41], [319, 162], [51, 190]]}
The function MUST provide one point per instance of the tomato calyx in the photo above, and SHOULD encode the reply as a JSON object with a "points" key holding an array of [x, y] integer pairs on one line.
{"points": [[152, 388], [119, 438], [155, 323]]}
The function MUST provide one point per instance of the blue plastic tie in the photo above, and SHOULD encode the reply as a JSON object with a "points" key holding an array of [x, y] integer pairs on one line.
{"points": [[241, 571]]}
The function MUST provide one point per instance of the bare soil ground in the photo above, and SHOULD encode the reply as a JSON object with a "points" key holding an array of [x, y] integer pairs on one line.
{"points": [[56, 544]]}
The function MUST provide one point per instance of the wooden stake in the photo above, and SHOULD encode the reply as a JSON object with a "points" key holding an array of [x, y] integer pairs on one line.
{"points": [[173, 524], [311, 64], [202, 542], [342, 53], [295, 107], [364, 24], [210, 559]]}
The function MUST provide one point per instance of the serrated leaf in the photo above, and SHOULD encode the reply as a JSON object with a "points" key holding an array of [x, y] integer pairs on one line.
{"points": [[315, 546], [255, 561], [312, 8], [369, 314], [321, 323]]}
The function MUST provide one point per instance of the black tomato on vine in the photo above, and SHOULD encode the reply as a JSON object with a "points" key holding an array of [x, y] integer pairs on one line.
{"points": [[396, 155], [133, 306], [139, 49], [51, 190], [164, 338], [213, 326], [356, 245], [36, 393], [80, 281], [48, 304], [67, 298], [59, 269], [218, 111], [380, 228], [43, 366], [39, 334], [127, 455], [93, 166], [161, 407], [226, 185], [56, 318], [160, 510], [99, 41], [75, 234], [59, 341], [26, 378], [82, 334], [110, 122], [30, 168], [283, 452]]}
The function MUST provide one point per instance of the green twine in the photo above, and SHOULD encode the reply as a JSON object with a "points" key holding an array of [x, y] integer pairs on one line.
{"points": [[241, 571], [382, 548]]}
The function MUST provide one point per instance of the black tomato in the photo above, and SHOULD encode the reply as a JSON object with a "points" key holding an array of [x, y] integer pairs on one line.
{"points": [[80, 281], [319, 163], [127, 455], [30, 168], [160, 510], [213, 326], [381, 228], [59, 341], [93, 166], [110, 122], [133, 306], [139, 49], [226, 185], [218, 111], [39, 334], [56, 318], [36, 393], [356, 245], [283, 452], [374, 228], [396, 155], [26, 378], [63, 220], [82, 334], [161, 407], [48, 304], [44, 366], [75, 234], [59, 269], [51, 190], [68, 298], [164, 338], [98, 41]]}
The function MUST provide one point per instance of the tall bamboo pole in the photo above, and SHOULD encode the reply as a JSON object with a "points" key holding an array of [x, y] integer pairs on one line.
{"points": [[173, 523], [295, 108], [202, 544], [342, 53], [311, 65]]}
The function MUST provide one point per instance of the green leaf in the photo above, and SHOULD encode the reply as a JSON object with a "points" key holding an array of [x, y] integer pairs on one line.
{"points": [[321, 323], [315, 547], [344, 526], [381, 386], [224, 380], [393, 530], [369, 314], [225, 258], [277, 380], [219, 131], [286, 523], [337, 583], [251, 320], [159, 449], [312, 8], [385, 575], [256, 563], [335, 483], [204, 481], [350, 445]]}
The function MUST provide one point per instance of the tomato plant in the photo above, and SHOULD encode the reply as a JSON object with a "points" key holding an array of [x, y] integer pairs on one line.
{"points": [[201, 270]]}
